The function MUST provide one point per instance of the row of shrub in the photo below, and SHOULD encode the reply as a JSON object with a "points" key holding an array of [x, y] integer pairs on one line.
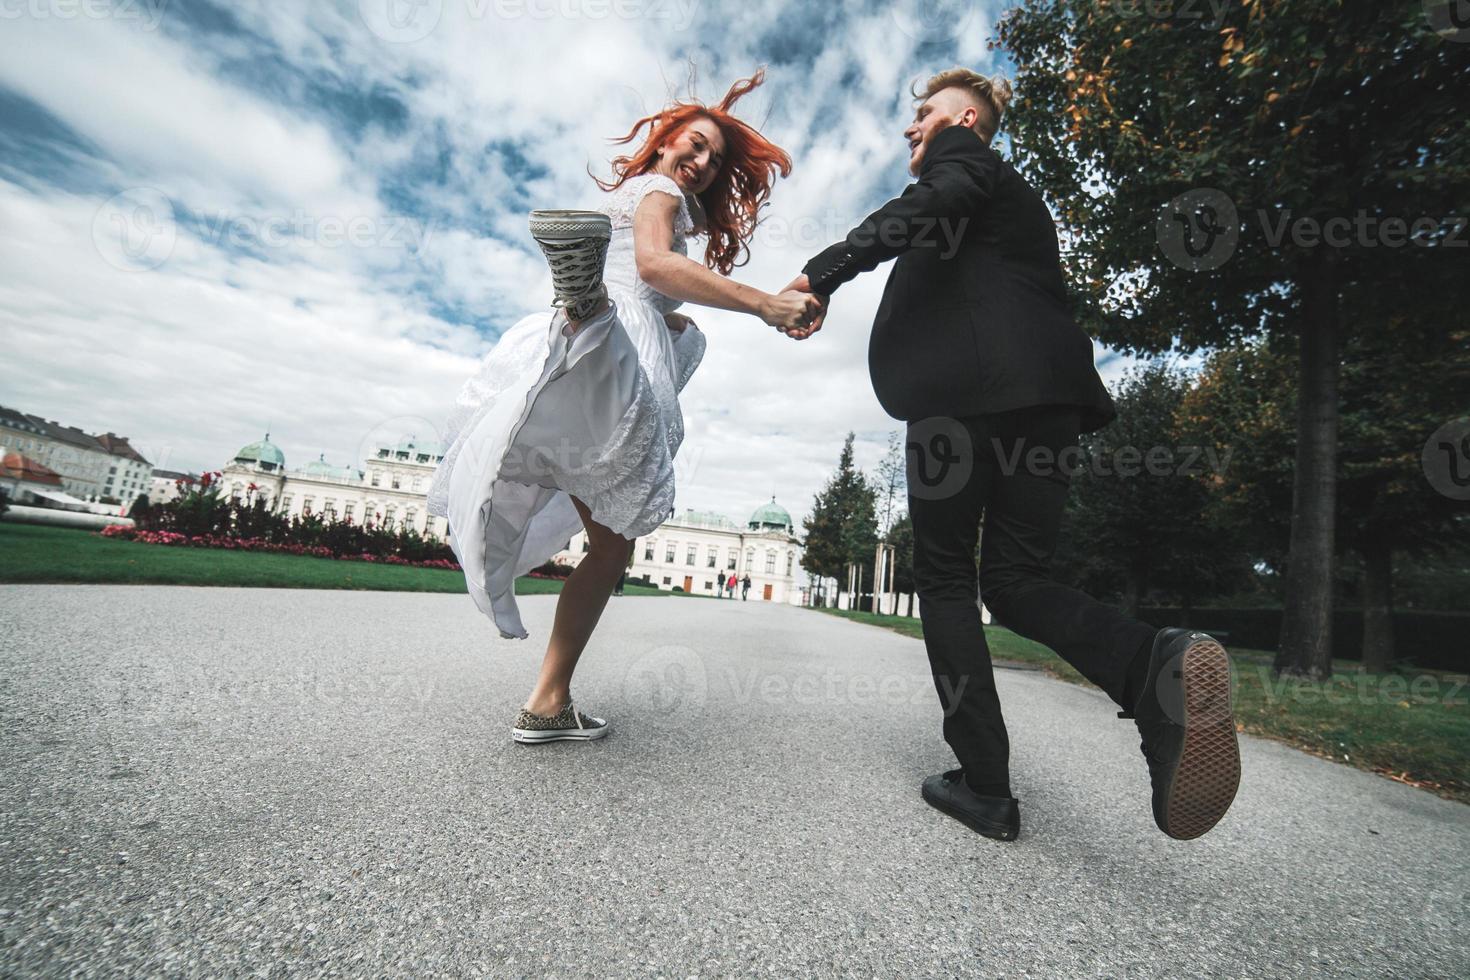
{"points": [[229, 543], [204, 516]]}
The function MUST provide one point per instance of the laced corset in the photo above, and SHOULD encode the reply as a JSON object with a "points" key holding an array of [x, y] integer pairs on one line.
{"points": [[622, 270]]}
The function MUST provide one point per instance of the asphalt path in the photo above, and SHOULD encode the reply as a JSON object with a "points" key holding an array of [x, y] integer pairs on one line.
{"points": [[262, 782]]}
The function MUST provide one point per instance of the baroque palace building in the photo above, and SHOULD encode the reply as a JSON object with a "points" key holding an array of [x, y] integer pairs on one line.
{"points": [[696, 549], [690, 552], [392, 486]]}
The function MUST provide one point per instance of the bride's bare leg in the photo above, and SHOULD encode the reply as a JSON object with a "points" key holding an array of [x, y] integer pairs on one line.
{"points": [[578, 609]]}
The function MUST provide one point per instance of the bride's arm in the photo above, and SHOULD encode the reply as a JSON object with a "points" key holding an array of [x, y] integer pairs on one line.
{"points": [[680, 277]]}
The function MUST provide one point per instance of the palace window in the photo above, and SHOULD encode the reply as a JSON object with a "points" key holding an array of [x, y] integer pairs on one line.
{"points": [[666, 580], [731, 559], [347, 510], [376, 477], [749, 559], [690, 554], [770, 562], [648, 550], [586, 544], [418, 484], [329, 507], [790, 562], [713, 556], [285, 503], [669, 554], [395, 482], [306, 503]]}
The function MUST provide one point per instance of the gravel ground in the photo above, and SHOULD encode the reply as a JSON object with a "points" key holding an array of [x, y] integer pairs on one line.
{"points": [[261, 782]]}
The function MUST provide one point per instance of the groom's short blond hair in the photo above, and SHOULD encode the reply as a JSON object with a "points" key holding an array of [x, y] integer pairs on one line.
{"points": [[991, 95]]}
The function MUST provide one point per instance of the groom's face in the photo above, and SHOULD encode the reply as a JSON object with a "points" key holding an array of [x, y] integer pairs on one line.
{"points": [[945, 108]]}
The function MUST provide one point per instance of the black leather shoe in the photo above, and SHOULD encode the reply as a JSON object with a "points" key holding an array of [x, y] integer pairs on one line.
{"points": [[1187, 727], [997, 817]]}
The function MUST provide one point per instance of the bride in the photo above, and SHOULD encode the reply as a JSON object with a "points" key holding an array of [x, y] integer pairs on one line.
{"points": [[572, 421]]}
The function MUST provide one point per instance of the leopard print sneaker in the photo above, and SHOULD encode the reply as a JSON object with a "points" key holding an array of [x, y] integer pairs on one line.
{"points": [[568, 723]]}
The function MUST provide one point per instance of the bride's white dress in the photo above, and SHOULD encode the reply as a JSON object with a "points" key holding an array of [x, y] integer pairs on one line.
{"points": [[595, 415]]}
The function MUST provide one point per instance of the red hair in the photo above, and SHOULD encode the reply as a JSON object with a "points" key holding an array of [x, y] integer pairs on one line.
{"points": [[733, 201]]}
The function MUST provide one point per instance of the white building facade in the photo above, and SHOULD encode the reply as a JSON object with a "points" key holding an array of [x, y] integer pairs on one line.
{"points": [[90, 467], [392, 488], [696, 550]]}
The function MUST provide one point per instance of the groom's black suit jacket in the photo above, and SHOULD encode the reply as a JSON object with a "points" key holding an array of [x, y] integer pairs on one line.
{"points": [[974, 319]]}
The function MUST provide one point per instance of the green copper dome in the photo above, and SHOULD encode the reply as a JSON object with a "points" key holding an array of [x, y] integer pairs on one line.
{"points": [[265, 453], [771, 515]]}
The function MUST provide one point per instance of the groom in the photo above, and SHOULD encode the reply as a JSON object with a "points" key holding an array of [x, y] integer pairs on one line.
{"points": [[974, 347]]}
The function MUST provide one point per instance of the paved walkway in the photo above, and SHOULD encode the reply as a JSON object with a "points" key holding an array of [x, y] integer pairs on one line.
{"points": [[218, 781]]}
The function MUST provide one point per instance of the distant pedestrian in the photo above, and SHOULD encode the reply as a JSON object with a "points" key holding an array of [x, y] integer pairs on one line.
{"points": [[730, 585], [745, 587]]}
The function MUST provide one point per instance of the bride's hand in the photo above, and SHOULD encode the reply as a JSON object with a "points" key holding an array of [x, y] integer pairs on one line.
{"points": [[677, 323], [791, 310]]}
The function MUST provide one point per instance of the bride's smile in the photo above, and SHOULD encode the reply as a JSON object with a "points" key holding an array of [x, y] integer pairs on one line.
{"points": [[693, 158]]}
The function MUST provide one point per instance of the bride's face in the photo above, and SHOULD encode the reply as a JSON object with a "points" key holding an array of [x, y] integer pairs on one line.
{"points": [[694, 156]]}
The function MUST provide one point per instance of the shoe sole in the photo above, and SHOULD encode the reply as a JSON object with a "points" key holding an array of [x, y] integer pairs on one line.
{"points": [[568, 226], [532, 737], [985, 828], [1208, 773]]}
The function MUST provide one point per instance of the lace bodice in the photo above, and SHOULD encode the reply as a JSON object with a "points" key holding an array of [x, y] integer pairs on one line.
{"points": [[622, 271]]}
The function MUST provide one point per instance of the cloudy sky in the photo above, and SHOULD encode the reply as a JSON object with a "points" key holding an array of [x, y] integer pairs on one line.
{"points": [[311, 216]]}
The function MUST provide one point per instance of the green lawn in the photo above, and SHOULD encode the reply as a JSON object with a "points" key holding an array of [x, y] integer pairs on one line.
{"points": [[33, 553], [1413, 727]]}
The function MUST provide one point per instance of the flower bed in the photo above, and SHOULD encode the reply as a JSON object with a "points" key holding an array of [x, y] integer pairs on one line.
{"points": [[175, 539]]}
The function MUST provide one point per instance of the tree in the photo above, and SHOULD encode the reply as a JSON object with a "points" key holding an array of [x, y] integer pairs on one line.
{"points": [[1139, 516], [901, 537], [1396, 387], [841, 529], [1194, 172]]}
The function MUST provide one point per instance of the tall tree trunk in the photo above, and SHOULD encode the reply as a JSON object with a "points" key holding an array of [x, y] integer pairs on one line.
{"points": [[1306, 623], [1378, 641]]}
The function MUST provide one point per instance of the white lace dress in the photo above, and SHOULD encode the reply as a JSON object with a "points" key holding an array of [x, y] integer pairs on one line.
{"points": [[595, 415]]}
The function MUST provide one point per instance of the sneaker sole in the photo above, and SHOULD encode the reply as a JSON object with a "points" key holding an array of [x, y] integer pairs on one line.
{"points": [[985, 828], [532, 737], [557, 226], [1208, 774]]}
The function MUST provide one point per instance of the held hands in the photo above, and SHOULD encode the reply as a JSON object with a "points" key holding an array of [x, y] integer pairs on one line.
{"points": [[802, 331], [791, 310]]}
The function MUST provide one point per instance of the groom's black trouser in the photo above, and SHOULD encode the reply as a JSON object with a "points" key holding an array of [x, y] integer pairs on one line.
{"points": [[996, 467]]}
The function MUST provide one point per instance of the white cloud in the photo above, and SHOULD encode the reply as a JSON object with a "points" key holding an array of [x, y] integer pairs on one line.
{"points": [[325, 343]]}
